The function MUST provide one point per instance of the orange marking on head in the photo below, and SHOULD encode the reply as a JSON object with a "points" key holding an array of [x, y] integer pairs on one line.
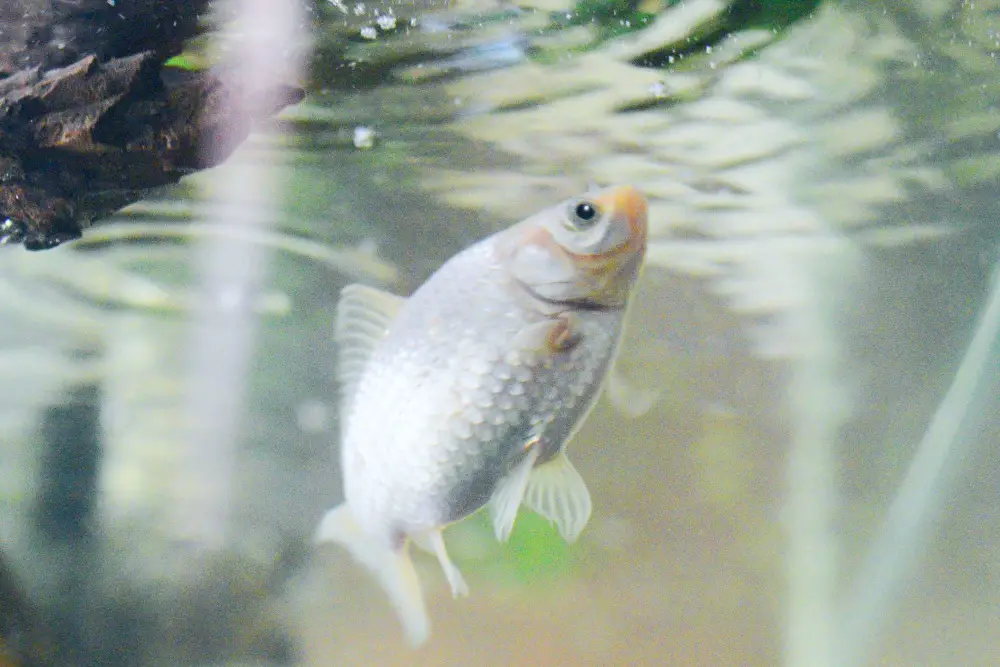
{"points": [[606, 276], [625, 200], [607, 269], [628, 200]]}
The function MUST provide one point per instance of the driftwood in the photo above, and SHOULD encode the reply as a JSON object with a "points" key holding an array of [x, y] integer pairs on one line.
{"points": [[90, 118]]}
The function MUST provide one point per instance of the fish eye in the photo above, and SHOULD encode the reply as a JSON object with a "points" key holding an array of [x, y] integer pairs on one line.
{"points": [[584, 215]]}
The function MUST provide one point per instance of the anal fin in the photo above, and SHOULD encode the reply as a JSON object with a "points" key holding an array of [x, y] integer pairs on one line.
{"points": [[433, 542]]}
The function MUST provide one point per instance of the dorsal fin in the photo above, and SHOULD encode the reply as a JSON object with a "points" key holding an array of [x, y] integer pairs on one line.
{"points": [[363, 316]]}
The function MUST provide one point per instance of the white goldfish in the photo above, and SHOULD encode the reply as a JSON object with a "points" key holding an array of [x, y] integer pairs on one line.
{"points": [[465, 394]]}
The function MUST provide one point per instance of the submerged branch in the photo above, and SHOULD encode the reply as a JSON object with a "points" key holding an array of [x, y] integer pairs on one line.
{"points": [[91, 120]]}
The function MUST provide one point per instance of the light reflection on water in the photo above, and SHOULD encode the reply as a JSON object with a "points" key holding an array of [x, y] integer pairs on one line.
{"points": [[686, 558]]}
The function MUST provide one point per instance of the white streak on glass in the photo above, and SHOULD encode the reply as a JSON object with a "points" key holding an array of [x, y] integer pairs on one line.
{"points": [[262, 43], [896, 551], [818, 408]]}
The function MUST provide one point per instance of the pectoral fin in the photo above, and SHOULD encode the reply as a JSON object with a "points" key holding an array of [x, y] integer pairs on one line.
{"points": [[628, 398], [556, 334], [557, 492]]}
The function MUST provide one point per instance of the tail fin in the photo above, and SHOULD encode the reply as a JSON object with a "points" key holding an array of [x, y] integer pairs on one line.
{"points": [[393, 568]]}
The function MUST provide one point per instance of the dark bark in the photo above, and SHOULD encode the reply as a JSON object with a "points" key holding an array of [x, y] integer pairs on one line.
{"points": [[56, 33], [89, 117]]}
